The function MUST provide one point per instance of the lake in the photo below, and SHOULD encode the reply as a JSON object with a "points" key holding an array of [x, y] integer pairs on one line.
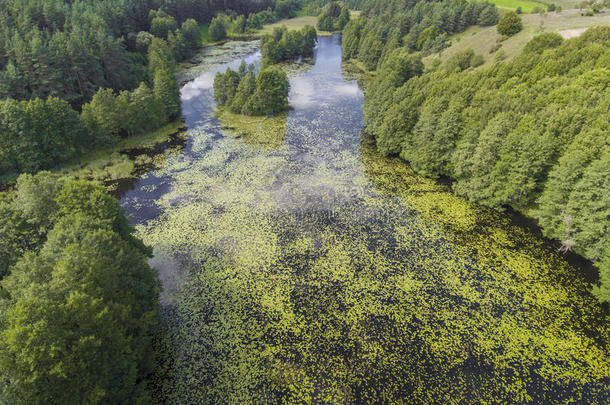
{"points": [[310, 269]]}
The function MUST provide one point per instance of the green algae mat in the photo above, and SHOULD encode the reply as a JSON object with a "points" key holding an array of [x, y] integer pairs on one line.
{"points": [[308, 269]]}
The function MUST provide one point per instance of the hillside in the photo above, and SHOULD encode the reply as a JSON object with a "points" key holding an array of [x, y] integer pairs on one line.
{"points": [[483, 40]]}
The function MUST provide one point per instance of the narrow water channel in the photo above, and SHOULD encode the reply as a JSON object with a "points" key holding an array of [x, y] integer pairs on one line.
{"points": [[313, 270]]}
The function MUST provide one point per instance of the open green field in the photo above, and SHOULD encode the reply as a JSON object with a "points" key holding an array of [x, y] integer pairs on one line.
{"points": [[482, 40], [528, 5], [297, 23]]}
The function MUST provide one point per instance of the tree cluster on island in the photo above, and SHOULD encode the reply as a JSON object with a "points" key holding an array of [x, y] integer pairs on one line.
{"points": [[248, 93], [245, 92]]}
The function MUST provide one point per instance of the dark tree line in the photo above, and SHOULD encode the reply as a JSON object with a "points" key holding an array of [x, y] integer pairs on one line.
{"points": [[416, 26], [78, 302], [245, 92], [531, 133]]}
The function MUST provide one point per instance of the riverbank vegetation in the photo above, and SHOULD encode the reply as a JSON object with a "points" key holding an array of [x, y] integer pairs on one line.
{"points": [[529, 133], [78, 299]]}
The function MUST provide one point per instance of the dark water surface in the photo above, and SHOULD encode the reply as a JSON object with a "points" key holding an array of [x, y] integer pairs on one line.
{"points": [[316, 271]]}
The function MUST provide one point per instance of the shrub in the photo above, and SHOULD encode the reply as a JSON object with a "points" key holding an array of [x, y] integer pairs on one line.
{"points": [[477, 61], [543, 41], [510, 24]]}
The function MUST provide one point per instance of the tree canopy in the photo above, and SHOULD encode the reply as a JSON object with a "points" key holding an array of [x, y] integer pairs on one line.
{"points": [[78, 299], [244, 92]]}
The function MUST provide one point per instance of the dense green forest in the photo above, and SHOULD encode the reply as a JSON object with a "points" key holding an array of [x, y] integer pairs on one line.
{"points": [[69, 49], [531, 133], [79, 303]]}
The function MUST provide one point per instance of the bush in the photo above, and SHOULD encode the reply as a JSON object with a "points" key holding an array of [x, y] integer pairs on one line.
{"points": [[510, 24], [477, 61], [460, 61], [543, 41]]}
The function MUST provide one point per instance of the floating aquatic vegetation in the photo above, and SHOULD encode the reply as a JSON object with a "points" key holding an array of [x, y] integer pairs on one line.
{"points": [[267, 132], [319, 271]]}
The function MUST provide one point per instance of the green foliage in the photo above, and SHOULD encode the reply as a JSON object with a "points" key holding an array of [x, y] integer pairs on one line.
{"points": [[417, 26], [510, 24], [429, 34], [283, 44], [217, 30], [267, 94], [544, 41], [36, 134], [271, 94], [531, 133], [109, 116], [160, 56], [460, 61], [167, 92], [80, 302], [333, 17], [161, 24]]}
